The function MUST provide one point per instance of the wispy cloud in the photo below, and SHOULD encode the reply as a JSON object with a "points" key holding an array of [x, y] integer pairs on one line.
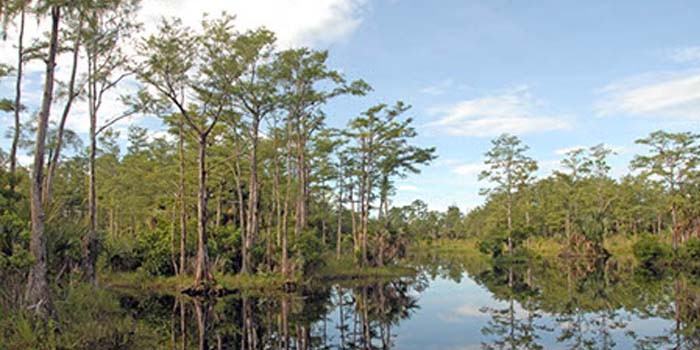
{"points": [[469, 170], [661, 95], [297, 22], [565, 150], [685, 54], [514, 111], [407, 188], [438, 88]]}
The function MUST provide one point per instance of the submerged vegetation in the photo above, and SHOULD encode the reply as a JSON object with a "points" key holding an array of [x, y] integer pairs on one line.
{"points": [[249, 214]]}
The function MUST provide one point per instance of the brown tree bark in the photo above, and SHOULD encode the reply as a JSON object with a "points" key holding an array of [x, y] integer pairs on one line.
{"points": [[38, 294], [202, 271], [72, 95], [18, 103], [90, 239], [182, 194], [253, 210]]}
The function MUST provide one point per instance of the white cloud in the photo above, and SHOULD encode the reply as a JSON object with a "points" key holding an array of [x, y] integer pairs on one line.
{"points": [[296, 22], [407, 188], [685, 54], [665, 95], [514, 111], [439, 88], [469, 170]]}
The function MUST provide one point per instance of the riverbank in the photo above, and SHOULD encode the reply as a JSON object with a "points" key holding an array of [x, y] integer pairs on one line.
{"points": [[332, 269], [547, 248]]}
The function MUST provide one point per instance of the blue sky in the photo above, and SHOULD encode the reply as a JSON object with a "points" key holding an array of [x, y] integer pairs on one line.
{"points": [[559, 74]]}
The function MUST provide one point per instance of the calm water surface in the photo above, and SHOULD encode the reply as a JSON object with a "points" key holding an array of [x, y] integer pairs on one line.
{"points": [[455, 303]]}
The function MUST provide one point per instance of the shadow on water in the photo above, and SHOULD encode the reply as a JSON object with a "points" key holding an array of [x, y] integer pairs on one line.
{"points": [[538, 304]]}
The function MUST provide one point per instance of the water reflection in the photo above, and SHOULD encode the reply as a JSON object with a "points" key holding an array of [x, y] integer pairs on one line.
{"points": [[534, 305], [324, 317]]}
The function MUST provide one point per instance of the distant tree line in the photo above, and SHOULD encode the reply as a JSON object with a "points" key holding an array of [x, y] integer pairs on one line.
{"points": [[581, 203]]}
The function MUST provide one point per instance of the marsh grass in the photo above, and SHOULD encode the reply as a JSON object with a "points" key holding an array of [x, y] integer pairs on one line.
{"points": [[345, 268]]}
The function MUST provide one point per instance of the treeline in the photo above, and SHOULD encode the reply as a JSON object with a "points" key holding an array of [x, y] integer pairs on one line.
{"points": [[247, 177], [581, 203]]}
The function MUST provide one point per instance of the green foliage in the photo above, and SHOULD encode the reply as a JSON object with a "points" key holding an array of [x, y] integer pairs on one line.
{"points": [[691, 251], [225, 245], [493, 244], [153, 249], [120, 254], [651, 252], [307, 251]]}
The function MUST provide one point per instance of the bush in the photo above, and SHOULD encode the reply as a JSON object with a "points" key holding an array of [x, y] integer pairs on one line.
{"points": [[306, 252], [691, 250], [225, 245], [649, 251], [154, 252], [120, 255]]}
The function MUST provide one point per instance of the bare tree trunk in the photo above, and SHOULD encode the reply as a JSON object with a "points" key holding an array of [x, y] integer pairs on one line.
{"points": [[183, 208], [38, 294], [339, 232], [202, 272], [90, 238], [354, 221], [18, 102], [173, 213], [253, 192], [510, 223], [241, 207], [287, 199], [218, 206], [72, 95], [674, 219]]}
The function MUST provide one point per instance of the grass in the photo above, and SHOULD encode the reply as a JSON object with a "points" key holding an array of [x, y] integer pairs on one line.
{"points": [[140, 281], [619, 246], [456, 246], [547, 247], [346, 268]]}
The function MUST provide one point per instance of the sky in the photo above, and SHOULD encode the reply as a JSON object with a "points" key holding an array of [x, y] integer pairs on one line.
{"points": [[558, 74]]}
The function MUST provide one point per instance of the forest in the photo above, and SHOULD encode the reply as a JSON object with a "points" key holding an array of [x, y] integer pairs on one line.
{"points": [[247, 187]]}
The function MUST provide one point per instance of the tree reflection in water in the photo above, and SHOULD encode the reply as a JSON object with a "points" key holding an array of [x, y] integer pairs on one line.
{"points": [[364, 317], [532, 305]]}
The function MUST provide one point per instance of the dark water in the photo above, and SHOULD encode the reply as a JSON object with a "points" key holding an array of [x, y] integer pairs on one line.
{"points": [[455, 303]]}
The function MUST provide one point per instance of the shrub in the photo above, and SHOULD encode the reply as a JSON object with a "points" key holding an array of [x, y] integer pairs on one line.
{"points": [[225, 245], [154, 250], [306, 251], [691, 250], [649, 251], [120, 255]]}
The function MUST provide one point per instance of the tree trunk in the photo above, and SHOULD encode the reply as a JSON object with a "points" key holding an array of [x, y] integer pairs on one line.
{"points": [[217, 224], [202, 272], [183, 208], [287, 199], [674, 219], [90, 238], [38, 294], [339, 238], [241, 207], [253, 193], [353, 219], [510, 224], [18, 103], [72, 95]]}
